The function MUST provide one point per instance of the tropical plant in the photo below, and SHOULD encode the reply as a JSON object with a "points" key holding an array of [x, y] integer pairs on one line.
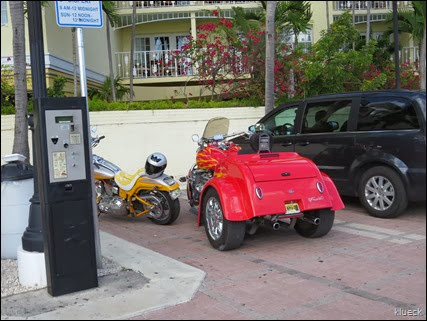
{"points": [[132, 50], [57, 90], [105, 92], [269, 55], [413, 21], [333, 66], [293, 17], [7, 89], [111, 10]]}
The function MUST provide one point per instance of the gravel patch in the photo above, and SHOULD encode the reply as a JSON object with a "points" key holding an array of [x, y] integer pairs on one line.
{"points": [[10, 282]]}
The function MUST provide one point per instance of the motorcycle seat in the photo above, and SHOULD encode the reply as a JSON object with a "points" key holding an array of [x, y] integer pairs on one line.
{"points": [[127, 181]]}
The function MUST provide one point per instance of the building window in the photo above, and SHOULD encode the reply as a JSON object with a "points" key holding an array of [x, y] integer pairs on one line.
{"points": [[4, 19], [304, 38]]}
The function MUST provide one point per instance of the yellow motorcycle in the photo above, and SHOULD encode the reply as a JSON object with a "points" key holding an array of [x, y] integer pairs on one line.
{"points": [[149, 191]]}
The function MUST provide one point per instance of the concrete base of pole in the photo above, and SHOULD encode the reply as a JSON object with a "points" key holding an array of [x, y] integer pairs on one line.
{"points": [[31, 268]]}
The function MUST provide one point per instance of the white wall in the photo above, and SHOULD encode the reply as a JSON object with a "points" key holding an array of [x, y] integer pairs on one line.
{"points": [[130, 136]]}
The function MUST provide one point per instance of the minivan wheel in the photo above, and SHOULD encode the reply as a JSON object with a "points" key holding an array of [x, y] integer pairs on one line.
{"points": [[382, 192]]}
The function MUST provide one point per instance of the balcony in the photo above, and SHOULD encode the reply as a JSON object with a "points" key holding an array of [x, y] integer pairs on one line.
{"points": [[169, 4], [154, 11], [152, 64], [165, 65], [363, 5]]}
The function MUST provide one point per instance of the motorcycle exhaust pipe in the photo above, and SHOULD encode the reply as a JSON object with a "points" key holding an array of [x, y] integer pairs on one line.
{"points": [[315, 221]]}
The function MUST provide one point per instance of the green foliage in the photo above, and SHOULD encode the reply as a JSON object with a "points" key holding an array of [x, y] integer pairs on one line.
{"points": [[57, 90], [7, 88], [105, 92], [101, 105], [411, 20], [293, 16], [374, 84], [338, 38], [333, 67]]}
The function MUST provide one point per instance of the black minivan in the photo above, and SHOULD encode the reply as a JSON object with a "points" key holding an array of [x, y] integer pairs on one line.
{"points": [[372, 144]]}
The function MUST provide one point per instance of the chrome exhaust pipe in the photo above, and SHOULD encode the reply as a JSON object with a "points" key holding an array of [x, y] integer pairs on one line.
{"points": [[276, 226], [315, 221]]}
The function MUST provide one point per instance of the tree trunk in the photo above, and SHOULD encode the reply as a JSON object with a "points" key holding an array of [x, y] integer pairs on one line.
{"points": [[110, 62], [20, 141], [74, 43], [327, 15], [269, 57], [423, 62], [368, 23], [132, 49], [353, 5]]}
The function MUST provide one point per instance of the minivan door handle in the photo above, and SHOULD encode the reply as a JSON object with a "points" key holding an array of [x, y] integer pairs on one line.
{"points": [[304, 143], [287, 144]]}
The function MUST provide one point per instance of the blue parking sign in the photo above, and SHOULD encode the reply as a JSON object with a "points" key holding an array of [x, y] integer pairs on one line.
{"points": [[79, 14]]}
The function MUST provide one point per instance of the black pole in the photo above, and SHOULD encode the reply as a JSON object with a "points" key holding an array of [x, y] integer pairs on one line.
{"points": [[396, 44], [32, 239]]}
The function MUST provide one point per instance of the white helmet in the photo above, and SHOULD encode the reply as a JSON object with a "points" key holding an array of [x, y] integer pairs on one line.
{"points": [[155, 165]]}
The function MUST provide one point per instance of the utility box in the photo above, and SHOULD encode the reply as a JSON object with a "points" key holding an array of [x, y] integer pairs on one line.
{"points": [[62, 152]]}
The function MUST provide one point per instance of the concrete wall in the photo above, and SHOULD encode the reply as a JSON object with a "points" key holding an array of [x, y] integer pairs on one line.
{"points": [[132, 135]]}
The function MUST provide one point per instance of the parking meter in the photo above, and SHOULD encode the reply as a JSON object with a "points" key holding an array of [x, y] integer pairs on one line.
{"points": [[62, 151]]}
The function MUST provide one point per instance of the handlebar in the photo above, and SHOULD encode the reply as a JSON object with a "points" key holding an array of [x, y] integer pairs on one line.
{"points": [[96, 140], [221, 140]]}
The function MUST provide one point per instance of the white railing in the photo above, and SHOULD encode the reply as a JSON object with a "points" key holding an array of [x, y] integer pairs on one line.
{"points": [[409, 55], [166, 63], [169, 4], [152, 64], [375, 5]]}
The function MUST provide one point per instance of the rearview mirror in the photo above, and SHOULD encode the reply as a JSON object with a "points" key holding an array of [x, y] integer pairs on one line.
{"points": [[251, 128], [93, 129], [195, 138], [334, 124]]}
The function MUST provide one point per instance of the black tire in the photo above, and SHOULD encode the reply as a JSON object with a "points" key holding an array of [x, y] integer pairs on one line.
{"points": [[307, 229], [382, 192], [170, 210], [230, 234]]}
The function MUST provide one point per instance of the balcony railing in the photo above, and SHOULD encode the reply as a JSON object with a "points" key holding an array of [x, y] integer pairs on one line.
{"points": [[375, 5], [409, 55], [152, 64], [169, 4], [166, 63]]}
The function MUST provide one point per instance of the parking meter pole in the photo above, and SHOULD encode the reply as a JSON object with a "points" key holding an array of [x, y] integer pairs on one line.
{"points": [[32, 239], [83, 87]]}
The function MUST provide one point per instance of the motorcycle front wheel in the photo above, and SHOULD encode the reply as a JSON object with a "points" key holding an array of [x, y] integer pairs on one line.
{"points": [[165, 210]]}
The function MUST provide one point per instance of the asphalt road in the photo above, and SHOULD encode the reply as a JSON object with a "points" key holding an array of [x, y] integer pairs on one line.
{"points": [[365, 268]]}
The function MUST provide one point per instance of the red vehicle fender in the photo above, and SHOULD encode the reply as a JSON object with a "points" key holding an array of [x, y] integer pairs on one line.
{"points": [[335, 198], [231, 198]]}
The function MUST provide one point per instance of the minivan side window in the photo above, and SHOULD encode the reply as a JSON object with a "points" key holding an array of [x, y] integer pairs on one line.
{"points": [[326, 116], [283, 122], [386, 114]]}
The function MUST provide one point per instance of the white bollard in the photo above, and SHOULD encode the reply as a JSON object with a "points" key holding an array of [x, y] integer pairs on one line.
{"points": [[31, 268]]}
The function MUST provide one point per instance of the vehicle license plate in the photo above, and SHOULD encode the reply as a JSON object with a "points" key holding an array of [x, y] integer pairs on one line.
{"points": [[292, 208]]}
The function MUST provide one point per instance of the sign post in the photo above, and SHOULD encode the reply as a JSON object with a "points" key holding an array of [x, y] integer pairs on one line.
{"points": [[86, 14]]}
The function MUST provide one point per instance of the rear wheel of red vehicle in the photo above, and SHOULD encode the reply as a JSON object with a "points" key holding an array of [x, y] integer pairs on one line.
{"points": [[308, 229], [222, 234]]}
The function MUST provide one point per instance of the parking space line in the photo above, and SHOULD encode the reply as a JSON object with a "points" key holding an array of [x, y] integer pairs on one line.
{"points": [[374, 229], [416, 237], [379, 233], [359, 232], [400, 241]]}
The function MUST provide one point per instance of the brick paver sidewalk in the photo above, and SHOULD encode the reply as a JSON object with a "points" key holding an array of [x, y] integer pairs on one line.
{"points": [[365, 268]]}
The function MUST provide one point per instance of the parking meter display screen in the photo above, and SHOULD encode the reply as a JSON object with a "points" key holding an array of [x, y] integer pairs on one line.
{"points": [[63, 119]]}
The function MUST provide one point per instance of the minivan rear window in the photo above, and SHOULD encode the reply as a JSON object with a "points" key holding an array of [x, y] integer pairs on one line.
{"points": [[387, 114]]}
